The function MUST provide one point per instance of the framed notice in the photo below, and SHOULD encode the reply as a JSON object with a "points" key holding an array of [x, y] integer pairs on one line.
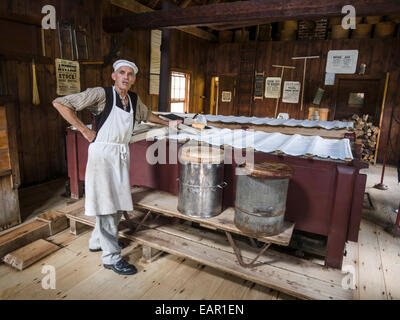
{"points": [[342, 61], [226, 96], [68, 77], [273, 87], [291, 92]]}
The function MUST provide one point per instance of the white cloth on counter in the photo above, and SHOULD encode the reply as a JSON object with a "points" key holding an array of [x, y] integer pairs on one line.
{"points": [[329, 125], [294, 145]]}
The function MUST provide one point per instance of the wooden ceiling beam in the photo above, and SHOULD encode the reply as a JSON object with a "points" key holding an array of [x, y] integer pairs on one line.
{"points": [[22, 18], [139, 8], [247, 11]]}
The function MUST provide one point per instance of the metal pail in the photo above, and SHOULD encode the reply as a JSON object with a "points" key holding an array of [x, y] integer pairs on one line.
{"points": [[261, 198], [201, 182]]}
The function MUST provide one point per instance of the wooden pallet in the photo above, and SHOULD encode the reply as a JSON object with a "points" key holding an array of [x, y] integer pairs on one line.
{"points": [[278, 271]]}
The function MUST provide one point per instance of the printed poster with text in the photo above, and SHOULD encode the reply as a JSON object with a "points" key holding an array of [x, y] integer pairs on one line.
{"points": [[291, 92], [68, 77]]}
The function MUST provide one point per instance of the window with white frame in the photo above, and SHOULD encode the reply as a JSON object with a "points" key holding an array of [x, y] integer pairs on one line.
{"points": [[180, 92]]}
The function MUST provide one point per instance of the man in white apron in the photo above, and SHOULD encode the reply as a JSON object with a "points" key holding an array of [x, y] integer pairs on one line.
{"points": [[107, 186]]}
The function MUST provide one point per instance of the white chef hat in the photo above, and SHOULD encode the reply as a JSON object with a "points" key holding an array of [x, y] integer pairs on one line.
{"points": [[122, 63]]}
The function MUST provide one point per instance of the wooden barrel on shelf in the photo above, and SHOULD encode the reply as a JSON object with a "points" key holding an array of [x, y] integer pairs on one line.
{"points": [[373, 19], [287, 34], [361, 31], [339, 33], [384, 29], [335, 21], [338, 20], [394, 18], [288, 25]]}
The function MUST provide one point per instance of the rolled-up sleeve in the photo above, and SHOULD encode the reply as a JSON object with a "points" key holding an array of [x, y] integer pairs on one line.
{"points": [[142, 112], [92, 98]]}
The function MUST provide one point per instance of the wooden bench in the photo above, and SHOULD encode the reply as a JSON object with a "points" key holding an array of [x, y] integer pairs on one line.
{"points": [[210, 246]]}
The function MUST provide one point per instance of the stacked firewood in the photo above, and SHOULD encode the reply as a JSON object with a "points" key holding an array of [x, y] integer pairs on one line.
{"points": [[366, 135]]}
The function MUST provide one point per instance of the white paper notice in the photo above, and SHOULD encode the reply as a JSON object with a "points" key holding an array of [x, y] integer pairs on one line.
{"points": [[273, 87], [226, 96], [291, 92], [329, 79], [68, 77], [342, 61]]}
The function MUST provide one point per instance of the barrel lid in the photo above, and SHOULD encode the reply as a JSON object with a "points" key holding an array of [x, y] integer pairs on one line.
{"points": [[269, 169], [203, 154]]}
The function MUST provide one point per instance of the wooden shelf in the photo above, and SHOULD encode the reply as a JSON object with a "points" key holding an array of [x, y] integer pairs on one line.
{"points": [[166, 203]]}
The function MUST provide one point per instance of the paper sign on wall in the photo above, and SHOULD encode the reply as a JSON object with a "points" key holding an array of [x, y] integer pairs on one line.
{"points": [[273, 87], [226, 96], [68, 77], [291, 92], [329, 79], [342, 61]]}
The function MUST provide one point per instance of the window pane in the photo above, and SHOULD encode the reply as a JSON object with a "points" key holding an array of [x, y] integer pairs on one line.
{"points": [[356, 98], [178, 92], [177, 107]]}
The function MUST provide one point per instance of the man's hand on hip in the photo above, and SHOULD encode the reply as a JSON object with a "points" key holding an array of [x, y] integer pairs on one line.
{"points": [[89, 135]]}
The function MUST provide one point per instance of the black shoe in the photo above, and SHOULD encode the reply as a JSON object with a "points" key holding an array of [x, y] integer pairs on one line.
{"points": [[121, 245], [122, 267]]}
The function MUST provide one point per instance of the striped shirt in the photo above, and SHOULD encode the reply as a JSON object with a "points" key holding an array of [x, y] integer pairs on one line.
{"points": [[94, 99]]}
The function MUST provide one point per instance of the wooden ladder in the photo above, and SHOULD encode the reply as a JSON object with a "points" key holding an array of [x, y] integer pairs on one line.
{"points": [[245, 87]]}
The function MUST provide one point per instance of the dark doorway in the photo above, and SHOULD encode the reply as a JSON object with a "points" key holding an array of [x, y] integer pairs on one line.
{"points": [[358, 96]]}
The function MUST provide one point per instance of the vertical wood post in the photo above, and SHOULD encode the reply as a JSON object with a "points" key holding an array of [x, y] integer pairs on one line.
{"points": [[165, 66]]}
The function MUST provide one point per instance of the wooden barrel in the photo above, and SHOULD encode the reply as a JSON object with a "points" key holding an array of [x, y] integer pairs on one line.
{"points": [[288, 25], [339, 33], [323, 114], [362, 31], [338, 20], [373, 19], [225, 36], [394, 18], [335, 21], [286, 35], [384, 29]]}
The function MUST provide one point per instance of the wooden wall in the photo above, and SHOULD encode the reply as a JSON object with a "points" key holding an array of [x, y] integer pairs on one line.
{"points": [[380, 56], [40, 129]]}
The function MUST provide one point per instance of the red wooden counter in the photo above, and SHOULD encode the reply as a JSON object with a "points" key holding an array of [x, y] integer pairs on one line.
{"points": [[325, 196]]}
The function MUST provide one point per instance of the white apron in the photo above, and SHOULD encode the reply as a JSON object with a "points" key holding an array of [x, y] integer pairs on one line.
{"points": [[107, 187]]}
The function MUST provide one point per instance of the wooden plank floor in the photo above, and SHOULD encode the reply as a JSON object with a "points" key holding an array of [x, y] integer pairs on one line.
{"points": [[80, 275]]}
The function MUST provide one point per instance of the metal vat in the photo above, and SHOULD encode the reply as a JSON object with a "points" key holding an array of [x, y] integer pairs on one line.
{"points": [[261, 198], [201, 182]]}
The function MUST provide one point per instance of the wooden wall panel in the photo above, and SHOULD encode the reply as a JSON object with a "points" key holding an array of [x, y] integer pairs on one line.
{"points": [[380, 56], [40, 130]]}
